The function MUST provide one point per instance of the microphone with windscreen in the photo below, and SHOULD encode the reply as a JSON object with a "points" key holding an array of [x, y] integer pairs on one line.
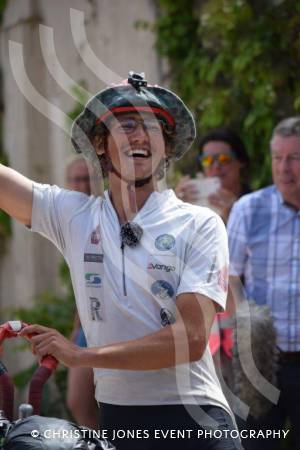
{"points": [[131, 234]]}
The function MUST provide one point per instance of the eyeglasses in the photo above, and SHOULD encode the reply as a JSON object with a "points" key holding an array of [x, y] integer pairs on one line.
{"points": [[221, 158], [154, 126]]}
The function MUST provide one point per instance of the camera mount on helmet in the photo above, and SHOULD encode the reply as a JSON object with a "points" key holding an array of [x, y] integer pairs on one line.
{"points": [[137, 80]]}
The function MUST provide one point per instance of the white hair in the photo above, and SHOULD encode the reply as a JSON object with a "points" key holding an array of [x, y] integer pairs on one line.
{"points": [[287, 127]]}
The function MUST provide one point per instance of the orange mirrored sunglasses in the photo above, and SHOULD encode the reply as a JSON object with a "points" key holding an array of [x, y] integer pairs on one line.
{"points": [[221, 158]]}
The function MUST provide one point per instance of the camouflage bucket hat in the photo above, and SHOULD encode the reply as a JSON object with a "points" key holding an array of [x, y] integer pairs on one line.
{"points": [[136, 95]]}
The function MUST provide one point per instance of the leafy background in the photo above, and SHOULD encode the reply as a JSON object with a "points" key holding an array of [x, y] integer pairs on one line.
{"points": [[235, 63]]}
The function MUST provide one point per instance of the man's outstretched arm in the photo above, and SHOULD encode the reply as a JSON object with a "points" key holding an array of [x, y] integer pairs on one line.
{"points": [[16, 193]]}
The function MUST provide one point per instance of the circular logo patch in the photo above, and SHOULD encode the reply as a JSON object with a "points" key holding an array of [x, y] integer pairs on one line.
{"points": [[164, 242], [162, 289]]}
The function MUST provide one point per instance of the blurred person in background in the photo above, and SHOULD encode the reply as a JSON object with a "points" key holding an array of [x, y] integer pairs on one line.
{"points": [[80, 388], [77, 175], [222, 155]]}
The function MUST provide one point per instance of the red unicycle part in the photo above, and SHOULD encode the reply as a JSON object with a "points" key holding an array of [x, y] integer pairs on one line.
{"points": [[48, 364]]}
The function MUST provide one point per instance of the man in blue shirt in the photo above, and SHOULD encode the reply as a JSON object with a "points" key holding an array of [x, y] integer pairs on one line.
{"points": [[264, 243]]}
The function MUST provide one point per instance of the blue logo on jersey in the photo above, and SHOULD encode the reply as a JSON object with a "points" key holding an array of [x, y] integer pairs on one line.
{"points": [[164, 242], [162, 289], [93, 280]]}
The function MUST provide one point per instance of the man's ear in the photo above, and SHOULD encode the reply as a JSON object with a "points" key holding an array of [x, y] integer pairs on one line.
{"points": [[168, 151], [99, 144]]}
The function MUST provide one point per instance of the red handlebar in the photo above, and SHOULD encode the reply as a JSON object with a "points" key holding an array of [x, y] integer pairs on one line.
{"points": [[12, 329], [48, 364]]}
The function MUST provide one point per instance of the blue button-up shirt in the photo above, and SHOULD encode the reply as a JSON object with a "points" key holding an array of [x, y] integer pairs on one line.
{"points": [[264, 245]]}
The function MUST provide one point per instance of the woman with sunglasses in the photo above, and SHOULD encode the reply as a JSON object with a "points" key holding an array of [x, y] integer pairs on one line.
{"points": [[223, 155]]}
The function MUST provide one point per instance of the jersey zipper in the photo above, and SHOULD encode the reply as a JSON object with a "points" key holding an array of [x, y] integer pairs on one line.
{"points": [[123, 270]]}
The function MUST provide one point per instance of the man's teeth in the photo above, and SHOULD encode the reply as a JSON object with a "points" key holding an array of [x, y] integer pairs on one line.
{"points": [[139, 152]]}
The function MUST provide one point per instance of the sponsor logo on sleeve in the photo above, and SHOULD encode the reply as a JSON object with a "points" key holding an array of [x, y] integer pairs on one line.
{"points": [[96, 309], [162, 289], [93, 280], [93, 257], [164, 242], [167, 318], [223, 278]]}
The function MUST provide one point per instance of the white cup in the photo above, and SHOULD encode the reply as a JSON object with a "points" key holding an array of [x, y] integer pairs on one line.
{"points": [[206, 186]]}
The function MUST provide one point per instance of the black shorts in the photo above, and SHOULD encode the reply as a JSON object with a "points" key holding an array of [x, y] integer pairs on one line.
{"points": [[165, 427]]}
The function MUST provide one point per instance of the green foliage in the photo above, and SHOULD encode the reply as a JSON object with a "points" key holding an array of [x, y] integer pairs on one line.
{"points": [[2, 7], [5, 225], [80, 94], [51, 310], [236, 63]]}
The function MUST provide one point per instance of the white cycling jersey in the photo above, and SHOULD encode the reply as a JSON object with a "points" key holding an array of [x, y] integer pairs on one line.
{"points": [[124, 294]]}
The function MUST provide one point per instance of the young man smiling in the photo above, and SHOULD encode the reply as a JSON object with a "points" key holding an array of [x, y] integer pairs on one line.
{"points": [[152, 367]]}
